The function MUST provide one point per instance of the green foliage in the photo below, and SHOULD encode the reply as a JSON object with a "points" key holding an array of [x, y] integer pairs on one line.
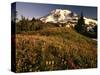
{"points": [[80, 24], [28, 25], [22, 25]]}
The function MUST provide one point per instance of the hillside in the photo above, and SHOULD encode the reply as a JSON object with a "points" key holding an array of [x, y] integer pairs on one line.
{"points": [[54, 49]]}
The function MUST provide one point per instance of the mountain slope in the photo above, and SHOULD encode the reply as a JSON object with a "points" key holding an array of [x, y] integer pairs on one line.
{"points": [[55, 49]]}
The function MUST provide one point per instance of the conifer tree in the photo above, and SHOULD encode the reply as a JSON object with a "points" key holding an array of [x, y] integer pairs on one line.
{"points": [[80, 24]]}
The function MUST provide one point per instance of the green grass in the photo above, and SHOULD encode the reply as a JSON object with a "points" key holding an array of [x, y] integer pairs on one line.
{"points": [[54, 49]]}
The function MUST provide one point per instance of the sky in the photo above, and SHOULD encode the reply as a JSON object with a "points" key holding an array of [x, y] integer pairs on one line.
{"points": [[30, 10]]}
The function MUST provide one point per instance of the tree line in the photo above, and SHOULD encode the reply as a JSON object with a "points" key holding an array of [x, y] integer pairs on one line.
{"points": [[24, 25]]}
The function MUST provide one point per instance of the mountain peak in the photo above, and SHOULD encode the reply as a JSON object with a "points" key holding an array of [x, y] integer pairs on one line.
{"points": [[58, 15], [60, 11], [64, 16]]}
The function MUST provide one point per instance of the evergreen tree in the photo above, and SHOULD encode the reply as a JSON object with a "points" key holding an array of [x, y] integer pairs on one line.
{"points": [[95, 29], [33, 19], [80, 24]]}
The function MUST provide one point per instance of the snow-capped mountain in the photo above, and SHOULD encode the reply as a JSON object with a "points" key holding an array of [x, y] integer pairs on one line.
{"points": [[64, 16], [89, 21], [60, 15]]}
